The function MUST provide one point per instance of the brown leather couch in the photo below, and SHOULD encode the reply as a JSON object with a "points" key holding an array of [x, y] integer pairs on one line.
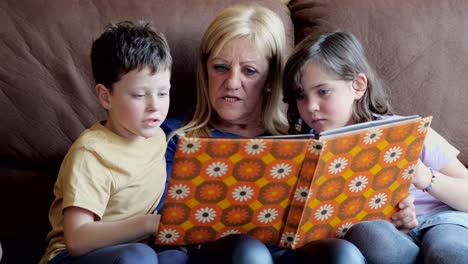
{"points": [[419, 47]]}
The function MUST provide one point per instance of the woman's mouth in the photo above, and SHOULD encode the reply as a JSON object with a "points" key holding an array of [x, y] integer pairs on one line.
{"points": [[230, 99]]}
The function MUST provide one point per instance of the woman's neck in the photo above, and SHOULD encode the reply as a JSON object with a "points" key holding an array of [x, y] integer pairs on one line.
{"points": [[243, 130]]}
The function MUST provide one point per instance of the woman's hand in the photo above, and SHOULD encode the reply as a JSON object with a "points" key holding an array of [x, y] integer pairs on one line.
{"points": [[405, 219]]}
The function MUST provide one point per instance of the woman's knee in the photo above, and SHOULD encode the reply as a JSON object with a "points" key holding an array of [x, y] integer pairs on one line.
{"points": [[233, 249], [330, 251]]}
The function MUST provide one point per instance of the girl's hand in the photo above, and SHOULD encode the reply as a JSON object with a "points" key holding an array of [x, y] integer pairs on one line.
{"points": [[405, 219], [422, 176]]}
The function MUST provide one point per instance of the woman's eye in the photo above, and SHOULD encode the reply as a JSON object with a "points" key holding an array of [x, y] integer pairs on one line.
{"points": [[250, 71], [220, 68]]}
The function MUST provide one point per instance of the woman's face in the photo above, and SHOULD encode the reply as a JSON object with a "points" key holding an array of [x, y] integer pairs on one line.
{"points": [[237, 79]]}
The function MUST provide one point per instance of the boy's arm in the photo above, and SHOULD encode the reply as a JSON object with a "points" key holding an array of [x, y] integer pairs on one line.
{"points": [[83, 233]]}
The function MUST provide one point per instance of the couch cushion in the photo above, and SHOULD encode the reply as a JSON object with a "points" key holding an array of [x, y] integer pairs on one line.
{"points": [[418, 47]]}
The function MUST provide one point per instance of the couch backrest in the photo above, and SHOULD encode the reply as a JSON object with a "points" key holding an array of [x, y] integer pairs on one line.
{"points": [[47, 91], [419, 48]]}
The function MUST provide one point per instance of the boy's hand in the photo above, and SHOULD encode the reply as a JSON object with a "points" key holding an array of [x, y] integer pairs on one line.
{"points": [[152, 223], [405, 219]]}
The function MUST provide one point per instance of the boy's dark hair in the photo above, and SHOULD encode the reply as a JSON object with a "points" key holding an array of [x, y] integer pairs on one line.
{"points": [[126, 46]]}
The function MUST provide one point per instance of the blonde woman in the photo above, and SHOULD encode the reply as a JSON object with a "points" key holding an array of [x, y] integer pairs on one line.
{"points": [[239, 76]]}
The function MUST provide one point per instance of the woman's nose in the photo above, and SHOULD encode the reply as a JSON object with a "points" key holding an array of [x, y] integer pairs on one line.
{"points": [[233, 81]]}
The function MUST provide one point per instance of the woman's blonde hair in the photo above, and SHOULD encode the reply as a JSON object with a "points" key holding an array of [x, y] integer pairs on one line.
{"points": [[264, 28]]}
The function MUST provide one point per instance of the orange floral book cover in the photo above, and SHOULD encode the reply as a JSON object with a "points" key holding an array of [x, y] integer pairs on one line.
{"points": [[285, 190]]}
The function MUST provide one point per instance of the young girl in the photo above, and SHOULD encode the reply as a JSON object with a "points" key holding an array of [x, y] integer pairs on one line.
{"points": [[328, 83]]}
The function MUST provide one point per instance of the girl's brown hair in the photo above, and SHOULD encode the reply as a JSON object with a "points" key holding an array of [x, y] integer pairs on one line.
{"points": [[339, 53]]}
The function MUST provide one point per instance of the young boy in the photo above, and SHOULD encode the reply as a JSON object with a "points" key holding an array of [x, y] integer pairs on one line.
{"points": [[113, 176]]}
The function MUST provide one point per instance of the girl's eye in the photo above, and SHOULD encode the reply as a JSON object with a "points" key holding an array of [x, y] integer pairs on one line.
{"points": [[323, 92], [220, 68]]}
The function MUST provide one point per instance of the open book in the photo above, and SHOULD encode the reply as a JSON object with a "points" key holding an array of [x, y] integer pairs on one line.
{"points": [[289, 190]]}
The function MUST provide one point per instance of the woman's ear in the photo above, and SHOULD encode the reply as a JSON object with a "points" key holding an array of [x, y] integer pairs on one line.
{"points": [[360, 85], [103, 95]]}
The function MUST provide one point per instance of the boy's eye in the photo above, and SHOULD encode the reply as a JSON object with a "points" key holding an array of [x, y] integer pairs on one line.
{"points": [[163, 94], [138, 95]]}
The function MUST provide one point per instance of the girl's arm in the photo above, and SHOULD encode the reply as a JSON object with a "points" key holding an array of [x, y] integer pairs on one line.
{"points": [[450, 184], [83, 233]]}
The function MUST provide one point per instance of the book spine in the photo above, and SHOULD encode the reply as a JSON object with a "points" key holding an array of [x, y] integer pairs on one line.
{"points": [[291, 237]]}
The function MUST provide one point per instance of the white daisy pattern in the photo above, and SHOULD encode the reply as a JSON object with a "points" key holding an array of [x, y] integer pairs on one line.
{"points": [[289, 239], [316, 147], [301, 194], [324, 212], [255, 146], [217, 169], [267, 215], [423, 126], [280, 171], [409, 172], [373, 136], [358, 184], [393, 154], [378, 200], [205, 215], [230, 232], [168, 235], [242, 193], [190, 145], [179, 191], [343, 229], [338, 165]]}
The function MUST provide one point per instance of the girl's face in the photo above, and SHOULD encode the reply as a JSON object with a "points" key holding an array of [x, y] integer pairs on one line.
{"points": [[237, 81], [327, 101]]}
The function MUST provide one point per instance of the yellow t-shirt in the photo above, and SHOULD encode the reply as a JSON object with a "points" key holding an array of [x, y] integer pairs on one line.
{"points": [[111, 176]]}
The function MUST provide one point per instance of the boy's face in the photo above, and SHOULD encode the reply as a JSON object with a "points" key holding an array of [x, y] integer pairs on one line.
{"points": [[327, 101], [138, 103]]}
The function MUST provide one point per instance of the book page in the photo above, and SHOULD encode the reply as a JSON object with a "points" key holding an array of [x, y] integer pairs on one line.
{"points": [[365, 125]]}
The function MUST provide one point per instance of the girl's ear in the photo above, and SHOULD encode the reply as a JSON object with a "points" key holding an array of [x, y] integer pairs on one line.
{"points": [[360, 85], [103, 95]]}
